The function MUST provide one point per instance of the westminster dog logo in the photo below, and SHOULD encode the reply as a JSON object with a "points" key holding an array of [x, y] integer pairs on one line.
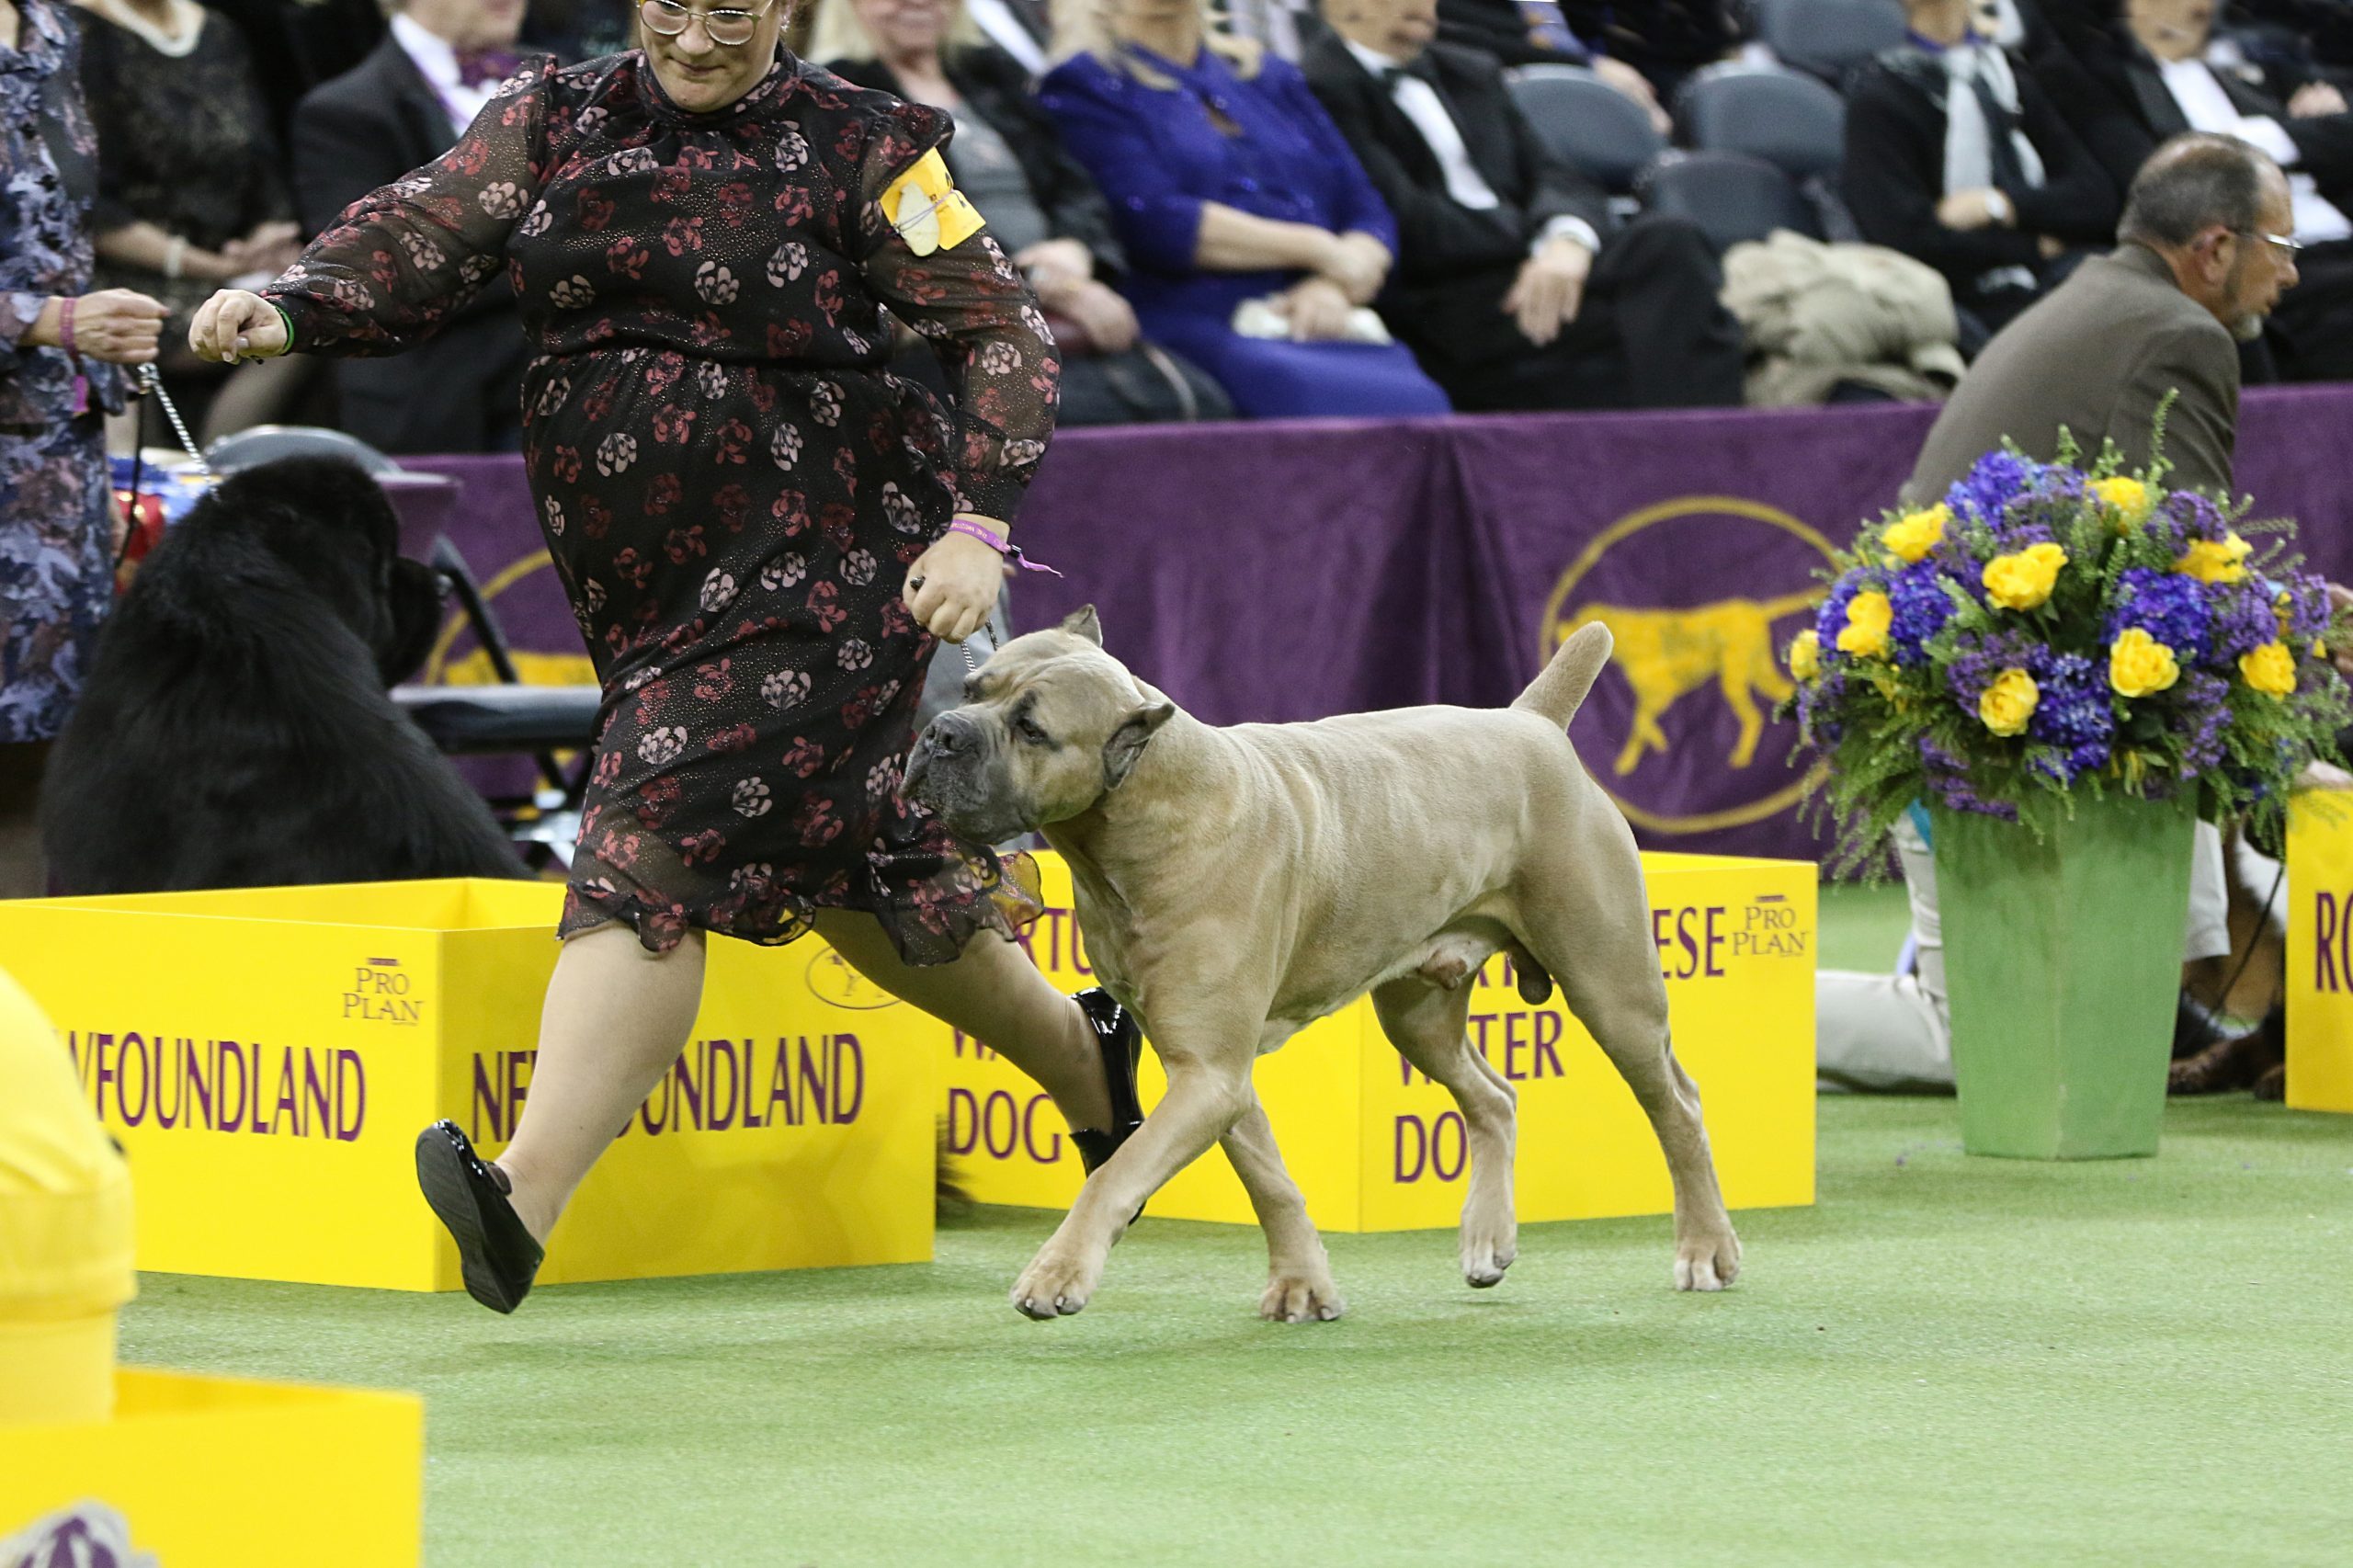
{"points": [[1668, 655]]}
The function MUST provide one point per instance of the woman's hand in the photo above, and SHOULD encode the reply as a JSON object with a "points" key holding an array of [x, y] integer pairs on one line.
{"points": [[953, 585], [1359, 264], [113, 324], [1110, 319], [271, 248], [1318, 311], [234, 324], [1052, 264]]}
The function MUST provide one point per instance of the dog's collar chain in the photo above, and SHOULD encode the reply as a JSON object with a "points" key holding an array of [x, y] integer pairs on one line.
{"points": [[151, 383]]}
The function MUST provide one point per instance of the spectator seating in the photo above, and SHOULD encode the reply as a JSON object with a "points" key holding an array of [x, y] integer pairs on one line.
{"points": [[1588, 122], [1731, 196], [1791, 121], [1828, 38]]}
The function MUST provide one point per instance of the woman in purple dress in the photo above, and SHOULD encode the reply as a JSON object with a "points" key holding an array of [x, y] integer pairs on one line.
{"points": [[1230, 188], [752, 518], [59, 344]]}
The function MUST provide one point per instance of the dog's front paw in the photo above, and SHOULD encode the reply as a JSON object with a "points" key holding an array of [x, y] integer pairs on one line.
{"points": [[1707, 1260], [1300, 1296], [1054, 1285]]}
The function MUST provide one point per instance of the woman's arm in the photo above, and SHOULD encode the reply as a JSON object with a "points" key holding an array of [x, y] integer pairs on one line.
{"points": [[403, 261], [149, 248]]}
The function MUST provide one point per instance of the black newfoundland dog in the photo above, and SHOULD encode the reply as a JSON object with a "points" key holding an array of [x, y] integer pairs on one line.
{"points": [[234, 731]]}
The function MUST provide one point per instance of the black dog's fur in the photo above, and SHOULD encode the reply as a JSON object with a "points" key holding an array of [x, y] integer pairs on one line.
{"points": [[234, 731]]}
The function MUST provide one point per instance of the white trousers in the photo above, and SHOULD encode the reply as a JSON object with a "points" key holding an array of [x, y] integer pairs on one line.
{"points": [[1893, 1032]]}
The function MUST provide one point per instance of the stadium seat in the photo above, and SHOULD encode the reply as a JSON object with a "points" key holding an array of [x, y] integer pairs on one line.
{"points": [[1590, 123], [1828, 38], [268, 443], [1731, 196], [1793, 122]]}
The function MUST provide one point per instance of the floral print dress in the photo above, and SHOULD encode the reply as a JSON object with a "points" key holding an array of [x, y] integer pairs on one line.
{"points": [[56, 579], [731, 485]]}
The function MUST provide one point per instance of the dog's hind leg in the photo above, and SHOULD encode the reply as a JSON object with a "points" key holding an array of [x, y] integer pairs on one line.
{"points": [[1425, 1024], [1609, 974], [1298, 1271]]}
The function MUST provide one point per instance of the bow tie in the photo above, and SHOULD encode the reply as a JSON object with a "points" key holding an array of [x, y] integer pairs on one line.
{"points": [[479, 67]]}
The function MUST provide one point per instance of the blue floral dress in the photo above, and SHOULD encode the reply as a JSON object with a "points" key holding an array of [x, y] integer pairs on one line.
{"points": [[56, 578]]}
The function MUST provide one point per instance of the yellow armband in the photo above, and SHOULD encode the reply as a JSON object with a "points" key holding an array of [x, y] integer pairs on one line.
{"points": [[926, 208]]}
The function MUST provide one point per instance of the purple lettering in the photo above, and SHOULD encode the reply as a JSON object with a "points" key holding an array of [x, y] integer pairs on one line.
{"points": [[172, 1072], [647, 1117], [199, 1093], [1544, 1043], [781, 1085], [1421, 1148], [486, 1100], [290, 1103], [350, 1093], [104, 1075], [1053, 1150], [2325, 949], [231, 1122], [988, 1123], [1514, 1043], [1714, 969], [723, 1107], [963, 1122], [1438, 1146], [318, 1114], [809, 1083], [690, 1111], [134, 1049], [848, 1069]]}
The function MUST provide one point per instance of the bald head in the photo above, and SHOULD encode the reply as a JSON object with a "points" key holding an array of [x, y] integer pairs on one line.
{"points": [[2219, 212]]}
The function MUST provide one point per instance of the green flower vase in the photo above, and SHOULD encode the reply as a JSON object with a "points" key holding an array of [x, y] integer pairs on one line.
{"points": [[2062, 959]]}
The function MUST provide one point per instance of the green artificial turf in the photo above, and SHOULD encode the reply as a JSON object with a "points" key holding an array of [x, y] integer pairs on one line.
{"points": [[1947, 1360]]}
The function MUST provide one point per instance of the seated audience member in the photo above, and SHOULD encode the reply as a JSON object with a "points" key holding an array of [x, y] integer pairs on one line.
{"points": [[1505, 288], [573, 30], [1955, 157], [2153, 81], [1539, 32], [399, 110], [192, 192], [1252, 237], [1041, 205]]}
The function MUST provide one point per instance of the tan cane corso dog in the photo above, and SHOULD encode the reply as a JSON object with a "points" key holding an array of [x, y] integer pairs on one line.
{"points": [[1235, 885]]}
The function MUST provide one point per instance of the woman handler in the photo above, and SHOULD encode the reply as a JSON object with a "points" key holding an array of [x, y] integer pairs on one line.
{"points": [[752, 518]]}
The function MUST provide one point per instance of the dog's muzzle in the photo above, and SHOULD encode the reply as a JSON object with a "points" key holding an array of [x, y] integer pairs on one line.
{"points": [[948, 745]]}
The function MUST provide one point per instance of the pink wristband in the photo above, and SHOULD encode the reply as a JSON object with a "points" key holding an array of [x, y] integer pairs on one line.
{"points": [[65, 326], [996, 541]]}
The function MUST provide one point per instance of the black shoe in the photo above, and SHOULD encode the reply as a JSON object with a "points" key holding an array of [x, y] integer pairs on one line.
{"points": [[499, 1257], [1122, 1043]]}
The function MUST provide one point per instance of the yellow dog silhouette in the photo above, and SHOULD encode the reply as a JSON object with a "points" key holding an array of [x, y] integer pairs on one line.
{"points": [[1668, 653]]}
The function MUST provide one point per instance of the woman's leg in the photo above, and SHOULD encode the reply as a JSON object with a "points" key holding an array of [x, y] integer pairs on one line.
{"points": [[23, 871], [994, 993], [258, 391], [616, 1017]]}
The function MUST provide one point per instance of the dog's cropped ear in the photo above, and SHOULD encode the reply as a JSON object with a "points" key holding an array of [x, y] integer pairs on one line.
{"points": [[1127, 741], [1081, 622]]}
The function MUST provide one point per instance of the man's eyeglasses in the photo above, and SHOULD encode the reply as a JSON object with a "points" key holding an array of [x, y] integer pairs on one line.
{"points": [[727, 29], [2285, 246]]}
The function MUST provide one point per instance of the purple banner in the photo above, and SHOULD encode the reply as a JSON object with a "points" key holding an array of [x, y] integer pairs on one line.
{"points": [[1292, 570]]}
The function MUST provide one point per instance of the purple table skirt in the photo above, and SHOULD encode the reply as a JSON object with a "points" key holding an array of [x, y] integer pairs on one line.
{"points": [[1290, 571]]}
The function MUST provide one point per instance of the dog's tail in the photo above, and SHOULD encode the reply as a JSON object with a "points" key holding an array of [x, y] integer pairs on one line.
{"points": [[1557, 691]]}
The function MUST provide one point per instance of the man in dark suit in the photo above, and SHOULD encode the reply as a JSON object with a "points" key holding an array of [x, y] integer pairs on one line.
{"points": [[2138, 74], [397, 110], [1508, 285], [2195, 275]]}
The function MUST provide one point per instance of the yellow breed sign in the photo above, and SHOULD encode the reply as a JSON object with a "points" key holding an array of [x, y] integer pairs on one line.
{"points": [[1375, 1146], [2320, 954], [221, 1473], [267, 1057]]}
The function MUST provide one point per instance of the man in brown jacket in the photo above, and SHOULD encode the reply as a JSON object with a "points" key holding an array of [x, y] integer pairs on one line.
{"points": [[2203, 258]]}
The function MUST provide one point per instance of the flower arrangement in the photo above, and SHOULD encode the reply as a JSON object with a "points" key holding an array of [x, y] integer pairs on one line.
{"points": [[2048, 629]]}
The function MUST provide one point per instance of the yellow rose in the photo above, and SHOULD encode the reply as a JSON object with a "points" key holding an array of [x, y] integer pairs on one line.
{"points": [[2128, 498], [2271, 669], [1915, 534], [2139, 664], [2008, 703], [1805, 656], [2025, 579], [1869, 615], [2211, 562]]}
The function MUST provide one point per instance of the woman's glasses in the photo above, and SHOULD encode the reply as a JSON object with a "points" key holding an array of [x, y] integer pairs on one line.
{"points": [[727, 29]]}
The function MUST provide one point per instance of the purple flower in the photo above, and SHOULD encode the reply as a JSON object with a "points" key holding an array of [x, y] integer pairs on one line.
{"points": [[1819, 701], [2072, 713], [2308, 606], [2168, 606], [1916, 595], [2243, 619], [1988, 491], [1975, 663], [2205, 700], [2197, 516], [1948, 776]]}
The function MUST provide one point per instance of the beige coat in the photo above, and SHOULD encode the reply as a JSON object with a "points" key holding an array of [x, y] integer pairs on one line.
{"points": [[1819, 315]]}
